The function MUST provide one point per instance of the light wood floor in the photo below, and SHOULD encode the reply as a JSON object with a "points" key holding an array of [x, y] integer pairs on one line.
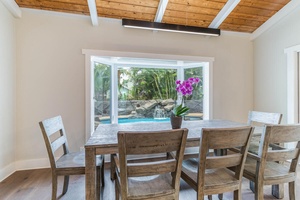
{"points": [[36, 185]]}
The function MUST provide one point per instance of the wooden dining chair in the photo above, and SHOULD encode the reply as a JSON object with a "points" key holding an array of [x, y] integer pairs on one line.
{"points": [[208, 173], [267, 168], [146, 179], [258, 119], [68, 163]]}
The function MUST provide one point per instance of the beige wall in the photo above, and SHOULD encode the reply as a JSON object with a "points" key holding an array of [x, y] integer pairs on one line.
{"points": [[7, 92], [51, 72], [270, 68]]}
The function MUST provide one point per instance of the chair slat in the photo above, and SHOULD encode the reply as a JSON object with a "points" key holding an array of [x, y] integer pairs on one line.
{"points": [[227, 138], [264, 117], [281, 155], [223, 161], [285, 133], [151, 168], [58, 143], [53, 125], [144, 143]]}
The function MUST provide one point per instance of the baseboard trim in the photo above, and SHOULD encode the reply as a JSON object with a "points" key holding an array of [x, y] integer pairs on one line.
{"points": [[7, 171], [32, 164], [28, 165]]}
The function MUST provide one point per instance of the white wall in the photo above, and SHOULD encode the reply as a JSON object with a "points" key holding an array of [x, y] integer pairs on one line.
{"points": [[270, 68], [7, 92], [51, 72]]}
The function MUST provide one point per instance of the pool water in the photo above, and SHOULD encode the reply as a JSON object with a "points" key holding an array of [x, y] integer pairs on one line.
{"points": [[135, 120]]}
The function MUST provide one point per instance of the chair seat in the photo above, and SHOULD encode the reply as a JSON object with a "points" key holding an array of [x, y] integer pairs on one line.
{"points": [[150, 186], [273, 170], [75, 160], [214, 178]]}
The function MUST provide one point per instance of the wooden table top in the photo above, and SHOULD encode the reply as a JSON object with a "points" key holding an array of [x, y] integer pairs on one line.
{"points": [[106, 134]]}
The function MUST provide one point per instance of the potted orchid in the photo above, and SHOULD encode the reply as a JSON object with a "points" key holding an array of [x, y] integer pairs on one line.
{"points": [[184, 89]]}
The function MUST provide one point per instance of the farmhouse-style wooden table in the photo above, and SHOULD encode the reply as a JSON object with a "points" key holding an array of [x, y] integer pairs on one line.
{"points": [[104, 141]]}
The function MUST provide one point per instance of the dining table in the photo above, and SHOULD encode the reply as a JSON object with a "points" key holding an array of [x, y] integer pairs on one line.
{"points": [[104, 141]]}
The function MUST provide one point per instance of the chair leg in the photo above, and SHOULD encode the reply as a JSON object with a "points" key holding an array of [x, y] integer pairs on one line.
{"points": [[54, 187], [66, 184], [292, 190], [116, 190], [259, 192], [200, 196], [98, 174], [209, 197]]}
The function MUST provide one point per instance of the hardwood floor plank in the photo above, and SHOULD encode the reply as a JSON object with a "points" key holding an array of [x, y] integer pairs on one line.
{"points": [[36, 185]]}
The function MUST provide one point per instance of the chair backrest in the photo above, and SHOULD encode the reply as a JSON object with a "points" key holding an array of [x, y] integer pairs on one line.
{"points": [[138, 143], [49, 127], [263, 118], [270, 150], [223, 138]]}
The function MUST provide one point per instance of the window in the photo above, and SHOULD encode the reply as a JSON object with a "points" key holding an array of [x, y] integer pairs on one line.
{"points": [[145, 94], [128, 90], [113, 78]]}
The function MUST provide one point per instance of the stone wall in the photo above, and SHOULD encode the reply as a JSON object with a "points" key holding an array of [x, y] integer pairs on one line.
{"points": [[146, 108]]}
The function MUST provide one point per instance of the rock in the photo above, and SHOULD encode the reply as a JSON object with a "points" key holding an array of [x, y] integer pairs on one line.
{"points": [[140, 110], [166, 102], [149, 105], [169, 107]]}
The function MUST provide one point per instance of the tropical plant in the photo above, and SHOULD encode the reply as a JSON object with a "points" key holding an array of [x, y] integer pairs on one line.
{"points": [[101, 81], [198, 88], [148, 83]]}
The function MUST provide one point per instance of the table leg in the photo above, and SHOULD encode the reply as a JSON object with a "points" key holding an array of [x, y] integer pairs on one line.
{"points": [[112, 168], [90, 174], [278, 191]]}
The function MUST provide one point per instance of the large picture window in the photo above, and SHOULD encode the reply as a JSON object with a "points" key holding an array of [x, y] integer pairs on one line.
{"points": [[127, 90], [113, 87]]}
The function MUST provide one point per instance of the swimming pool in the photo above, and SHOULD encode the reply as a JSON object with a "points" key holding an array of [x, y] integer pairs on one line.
{"points": [[135, 120]]}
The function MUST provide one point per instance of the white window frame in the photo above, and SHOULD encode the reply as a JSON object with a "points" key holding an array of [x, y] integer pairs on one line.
{"points": [[292, 84], [90, 57]]}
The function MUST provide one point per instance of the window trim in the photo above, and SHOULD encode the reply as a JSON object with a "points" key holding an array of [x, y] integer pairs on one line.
{"points": [[292, 63], [89, 88]]}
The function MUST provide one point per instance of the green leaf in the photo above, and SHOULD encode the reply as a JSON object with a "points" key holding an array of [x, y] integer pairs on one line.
{"points": [[180, 110]]}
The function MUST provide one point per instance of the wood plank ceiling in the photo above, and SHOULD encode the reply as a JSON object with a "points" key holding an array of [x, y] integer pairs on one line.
{"points": [[247, 16]]}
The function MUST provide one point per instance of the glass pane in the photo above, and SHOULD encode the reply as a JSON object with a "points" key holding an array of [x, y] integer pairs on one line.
{"points": [[195, 101], [145, 94], [102, 74]]}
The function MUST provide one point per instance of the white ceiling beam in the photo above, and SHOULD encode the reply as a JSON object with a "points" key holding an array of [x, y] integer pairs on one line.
{"points": [[223, 14], [287, 9], [13, 8], [161, 10], [93, 12]]}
